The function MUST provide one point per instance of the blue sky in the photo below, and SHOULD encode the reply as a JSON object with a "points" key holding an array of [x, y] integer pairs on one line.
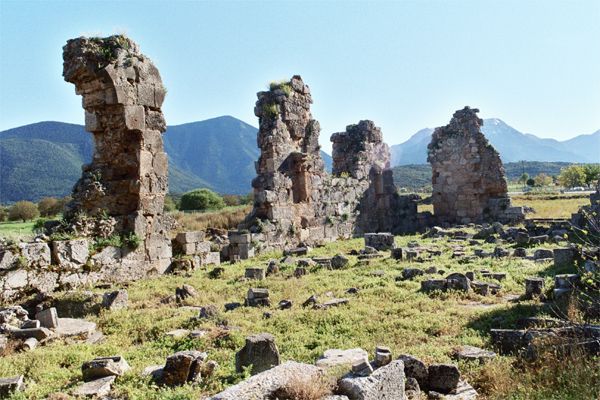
{"points": [[404, 64]]}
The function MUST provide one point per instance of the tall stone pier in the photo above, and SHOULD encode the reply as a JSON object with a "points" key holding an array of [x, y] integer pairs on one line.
{"points": [[468, 176], [121, 192]]}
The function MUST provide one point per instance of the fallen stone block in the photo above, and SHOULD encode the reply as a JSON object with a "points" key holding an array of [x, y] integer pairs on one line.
{"points": [[38, 333], [336, 357], [48, 318], [102, 367], [260, 352], [442, 378], [96, 388], [471, 353], [182, 367], [384, 383], [11, 385], [116, 300], [73, 327], [264, 384]]}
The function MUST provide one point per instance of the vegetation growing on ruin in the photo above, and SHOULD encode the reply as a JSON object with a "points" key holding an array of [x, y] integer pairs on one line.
{"points": [[284, 85]]}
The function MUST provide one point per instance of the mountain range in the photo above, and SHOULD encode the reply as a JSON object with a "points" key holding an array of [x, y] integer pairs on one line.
{"points": [[512, 145], [45, 158]]}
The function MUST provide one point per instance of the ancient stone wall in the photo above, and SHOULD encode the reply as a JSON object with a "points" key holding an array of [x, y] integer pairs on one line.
{"points": [[468, 176], [126, 181], [296, 201], [120, 195]]}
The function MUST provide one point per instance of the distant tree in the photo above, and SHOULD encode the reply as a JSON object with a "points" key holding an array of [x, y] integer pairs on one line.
{"points": [[571, 176], [542, 180], [49, 206], [232, 199], [24, 211], [201, 199], [170, 204], [592, 173], [530, 182], [3, 213], [523, 178]]}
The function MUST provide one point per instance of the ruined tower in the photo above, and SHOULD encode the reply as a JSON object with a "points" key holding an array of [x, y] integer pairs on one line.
{"points": [[295, 200], [468, 176], [122, 190]]}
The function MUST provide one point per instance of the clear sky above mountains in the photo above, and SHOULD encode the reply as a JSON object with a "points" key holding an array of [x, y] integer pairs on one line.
{"points": [[404, 64]]}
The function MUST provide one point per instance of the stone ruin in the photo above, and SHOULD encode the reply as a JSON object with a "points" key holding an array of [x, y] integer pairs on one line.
{"points": [[127, 179], [120, 194], [296, 200], [468, 179]]}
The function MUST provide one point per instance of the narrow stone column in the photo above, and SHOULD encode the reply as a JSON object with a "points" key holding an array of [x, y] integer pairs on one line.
{"points": [[126, 182]]}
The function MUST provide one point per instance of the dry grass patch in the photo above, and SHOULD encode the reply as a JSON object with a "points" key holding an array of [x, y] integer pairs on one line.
{"points": [[228, 218]]}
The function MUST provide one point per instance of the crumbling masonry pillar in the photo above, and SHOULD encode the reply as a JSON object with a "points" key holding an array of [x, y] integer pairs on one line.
{"points": [[126, 181]]}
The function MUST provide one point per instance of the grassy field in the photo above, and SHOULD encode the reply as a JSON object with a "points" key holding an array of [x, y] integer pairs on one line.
{"points": [[552, 206], [545, 205], [16, 230], [384, 312]]}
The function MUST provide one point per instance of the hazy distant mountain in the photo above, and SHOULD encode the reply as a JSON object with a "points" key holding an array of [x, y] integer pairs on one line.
{"points": [[45, 158], [511, 144]]}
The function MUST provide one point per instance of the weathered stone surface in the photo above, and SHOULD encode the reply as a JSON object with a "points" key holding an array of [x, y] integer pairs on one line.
{"points": [[73, 327], [70, 253], [258, 297], [339, 261], [415, 368], [255, 273], [182, 367], [534, 287], [264, 384], [11, 385], [122, 190], [384, 383], [472, 353], [102, 367], [115, 300], [8, 259], [563, 257], [260, 352], [443, 377], [36, 254], [38, 333], [48, 318], [380, 241], [296, 201], [541, 254], [337, 357], [508, 341], [96, 388], [468, 177]]}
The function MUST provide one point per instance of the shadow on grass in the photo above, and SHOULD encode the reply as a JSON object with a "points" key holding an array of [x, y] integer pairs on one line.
{"points": [[507, 318]]}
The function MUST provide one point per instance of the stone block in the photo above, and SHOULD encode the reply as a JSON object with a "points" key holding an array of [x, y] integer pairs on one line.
{"points": [[36, 254], [443, 378], [102, 367], [260, 352], [115, 300], [182, 367], [135, 118], [70, 253], [48, 318], [384, 383]]}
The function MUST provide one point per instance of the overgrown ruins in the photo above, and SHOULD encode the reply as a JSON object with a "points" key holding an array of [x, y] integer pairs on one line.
{"points": [[296, 200], [468, 177], [127, 180]]}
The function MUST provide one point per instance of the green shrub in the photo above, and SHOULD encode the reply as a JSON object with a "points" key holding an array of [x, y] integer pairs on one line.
{"points": [[271, 110], [201, 199], [170, 204], [131, 240], [24, 211]]}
